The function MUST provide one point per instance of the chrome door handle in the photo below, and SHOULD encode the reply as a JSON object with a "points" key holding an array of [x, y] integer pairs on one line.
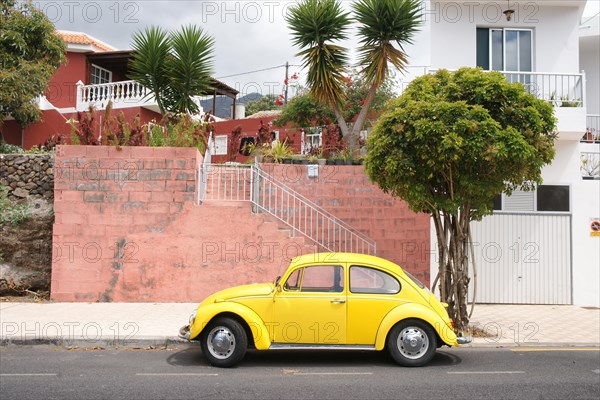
{"points": [[338, 301]]}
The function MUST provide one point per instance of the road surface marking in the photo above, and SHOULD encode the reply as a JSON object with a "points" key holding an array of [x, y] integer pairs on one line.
{"points": [[484, 372], [332, 373], [175, 374], [28, 374], [532, 349]]}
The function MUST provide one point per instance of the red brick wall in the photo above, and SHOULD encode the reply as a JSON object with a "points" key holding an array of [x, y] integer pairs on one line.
{"points": [[127, 229], [402, 236]]}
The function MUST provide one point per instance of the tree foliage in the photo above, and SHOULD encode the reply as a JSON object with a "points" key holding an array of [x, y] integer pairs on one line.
{"points": [[264, 103], [448, 146], [174, 66], [384, 27], [30, 53], [304, 110]]}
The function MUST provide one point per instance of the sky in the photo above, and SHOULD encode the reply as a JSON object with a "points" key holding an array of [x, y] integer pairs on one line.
{"points": [[250, 35]]}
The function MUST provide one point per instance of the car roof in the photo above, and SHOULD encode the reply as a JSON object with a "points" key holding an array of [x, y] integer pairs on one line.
{"points": [[334, 257]]}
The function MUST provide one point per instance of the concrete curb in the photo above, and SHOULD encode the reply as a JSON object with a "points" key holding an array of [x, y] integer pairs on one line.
{"points": [[158, 342], [141, 343]]}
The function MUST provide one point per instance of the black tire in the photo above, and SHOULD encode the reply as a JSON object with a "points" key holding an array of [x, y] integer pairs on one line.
{"points": [[412, 343], [224, 342]]}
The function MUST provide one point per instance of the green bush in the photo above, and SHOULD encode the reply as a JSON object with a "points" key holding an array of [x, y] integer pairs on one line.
{"points": [[6, 148], [11, 212]]}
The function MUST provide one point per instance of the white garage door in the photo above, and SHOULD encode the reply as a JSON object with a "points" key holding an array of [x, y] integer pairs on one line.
{"points": [[523, 258]]}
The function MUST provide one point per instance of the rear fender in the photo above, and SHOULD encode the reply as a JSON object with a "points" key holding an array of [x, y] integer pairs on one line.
{"points": [[414, 311]]}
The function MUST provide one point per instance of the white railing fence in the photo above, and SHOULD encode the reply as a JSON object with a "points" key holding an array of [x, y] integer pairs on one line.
{"points": [[592, 127], [267, 194], [202, 169], [123, 91], [562, 90]]}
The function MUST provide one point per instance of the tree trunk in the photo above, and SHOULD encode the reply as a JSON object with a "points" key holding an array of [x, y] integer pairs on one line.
{"points": [[453, 246], [352, 135]]}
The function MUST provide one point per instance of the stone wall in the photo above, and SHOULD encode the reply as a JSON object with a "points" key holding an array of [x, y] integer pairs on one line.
{"points": [[28, 175]]}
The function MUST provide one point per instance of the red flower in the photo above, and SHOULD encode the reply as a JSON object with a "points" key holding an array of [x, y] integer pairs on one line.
{"points": [[362, 102]]}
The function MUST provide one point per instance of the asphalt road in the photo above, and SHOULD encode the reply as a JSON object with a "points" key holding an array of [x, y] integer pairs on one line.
{"points": [[41, 372]]}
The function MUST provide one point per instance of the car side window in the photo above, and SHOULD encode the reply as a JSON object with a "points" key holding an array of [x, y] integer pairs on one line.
{"points": [[371, 280], [321, 278], [293, 282]]}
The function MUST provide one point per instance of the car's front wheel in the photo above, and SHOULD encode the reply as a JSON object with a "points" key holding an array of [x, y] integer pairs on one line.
{"points": [[412, 343], [224, 342]]}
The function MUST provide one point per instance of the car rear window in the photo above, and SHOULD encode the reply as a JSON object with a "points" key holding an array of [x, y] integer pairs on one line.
{"points": [[415, 280]]}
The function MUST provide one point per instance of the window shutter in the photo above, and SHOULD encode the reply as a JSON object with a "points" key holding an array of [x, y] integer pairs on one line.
{"points": [[519, 201]]}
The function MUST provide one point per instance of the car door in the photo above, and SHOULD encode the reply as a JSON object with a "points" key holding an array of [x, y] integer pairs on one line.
{"points": [[310, 307], [372, 294]]}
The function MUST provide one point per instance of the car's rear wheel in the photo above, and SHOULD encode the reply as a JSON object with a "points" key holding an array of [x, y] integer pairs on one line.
{"points": [[412, 343], [224, 342]]}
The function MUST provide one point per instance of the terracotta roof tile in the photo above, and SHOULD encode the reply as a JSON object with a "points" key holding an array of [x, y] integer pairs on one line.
{"points": [[83, 38]]}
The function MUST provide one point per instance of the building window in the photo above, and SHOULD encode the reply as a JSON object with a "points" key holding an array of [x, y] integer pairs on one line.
{"points": [[100, 75], [505, 49], [553, 198], [545, 198]]}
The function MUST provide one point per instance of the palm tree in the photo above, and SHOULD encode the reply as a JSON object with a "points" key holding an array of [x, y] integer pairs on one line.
{"points": [[174, 66], [316, 24]]}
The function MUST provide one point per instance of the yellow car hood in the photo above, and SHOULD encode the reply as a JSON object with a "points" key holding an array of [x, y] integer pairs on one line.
{"points": [[256, 289]]}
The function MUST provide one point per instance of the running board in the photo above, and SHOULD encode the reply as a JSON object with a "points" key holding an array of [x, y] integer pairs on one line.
{"points": [[297, 346]]}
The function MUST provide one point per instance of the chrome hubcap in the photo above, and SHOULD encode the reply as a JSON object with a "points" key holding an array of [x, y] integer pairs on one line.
{"points": [[413, 342], [221, 342]]}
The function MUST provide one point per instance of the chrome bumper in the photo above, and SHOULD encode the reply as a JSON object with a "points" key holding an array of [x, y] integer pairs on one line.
{"points": [[184, 332], [464, 339]]}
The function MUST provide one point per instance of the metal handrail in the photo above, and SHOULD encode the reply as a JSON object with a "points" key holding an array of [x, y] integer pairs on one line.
{"points": [[202, 178], [268, 194]]}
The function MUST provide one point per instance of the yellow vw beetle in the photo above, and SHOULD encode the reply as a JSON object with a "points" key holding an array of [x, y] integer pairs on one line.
{"points": [[325, 301]]}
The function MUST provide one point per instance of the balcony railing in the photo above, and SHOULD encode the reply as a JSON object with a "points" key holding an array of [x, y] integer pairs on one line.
{"points": [[592, 131], [590, 165], [122, 94], [561, 90]]}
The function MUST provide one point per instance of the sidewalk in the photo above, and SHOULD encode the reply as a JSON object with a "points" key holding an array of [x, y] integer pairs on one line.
{"points": [[157, 324]]}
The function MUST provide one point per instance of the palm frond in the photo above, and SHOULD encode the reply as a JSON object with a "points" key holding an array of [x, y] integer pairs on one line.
{"points": [[383, 23], [190, 67], [315, 24], [150, 49]]}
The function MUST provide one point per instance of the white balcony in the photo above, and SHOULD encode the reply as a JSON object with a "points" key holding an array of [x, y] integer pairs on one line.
{"points": [[566, 92], [590, 165], [123, 94], [592, 131]]}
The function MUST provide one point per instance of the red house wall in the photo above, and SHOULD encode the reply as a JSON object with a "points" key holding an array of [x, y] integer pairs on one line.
{"points": [[250, 128], [11, 132], [62, 90]]}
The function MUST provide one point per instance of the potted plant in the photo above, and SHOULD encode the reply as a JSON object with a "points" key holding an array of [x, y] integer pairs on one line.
{"points": [[280, 151]]}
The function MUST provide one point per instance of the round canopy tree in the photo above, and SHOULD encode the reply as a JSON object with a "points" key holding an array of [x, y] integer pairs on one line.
{"points": [[30, 53], [450, 144]]}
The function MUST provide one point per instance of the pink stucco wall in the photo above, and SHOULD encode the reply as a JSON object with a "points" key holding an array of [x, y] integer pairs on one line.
{"points": [[128, 229], [402, 236]]}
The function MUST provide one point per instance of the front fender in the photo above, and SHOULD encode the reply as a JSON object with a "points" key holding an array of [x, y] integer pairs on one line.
{"points": [[418, 311], [206, 312]]}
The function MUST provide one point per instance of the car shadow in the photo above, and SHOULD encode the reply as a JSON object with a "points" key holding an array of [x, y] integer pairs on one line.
{"points": [[192, 357]]}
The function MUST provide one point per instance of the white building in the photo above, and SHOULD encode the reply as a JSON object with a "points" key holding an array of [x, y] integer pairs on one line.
{"points": [[538, 247]]}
